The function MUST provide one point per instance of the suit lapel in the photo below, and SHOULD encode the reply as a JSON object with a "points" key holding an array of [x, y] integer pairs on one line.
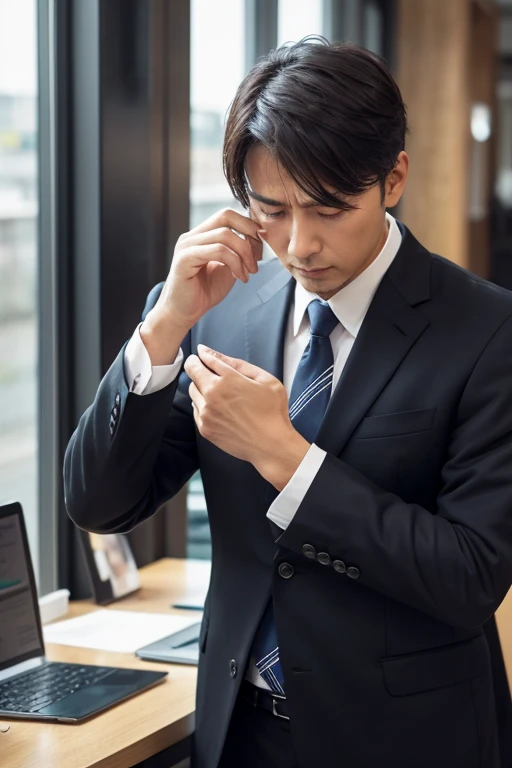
{"points": [[266, 323], [390, 329]]}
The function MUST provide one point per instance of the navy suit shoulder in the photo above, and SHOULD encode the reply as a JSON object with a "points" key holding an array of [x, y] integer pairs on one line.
{"points": [[470, 288], [458, 304]]}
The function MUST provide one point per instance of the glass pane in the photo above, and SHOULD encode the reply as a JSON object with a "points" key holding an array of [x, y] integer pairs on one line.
{"points": [[18, 260], [217, 67], [504, 144], [296, 20], [373, 27], [198, 529]]}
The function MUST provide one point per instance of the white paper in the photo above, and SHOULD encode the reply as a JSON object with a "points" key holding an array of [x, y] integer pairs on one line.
{"points": [[113, 630]]}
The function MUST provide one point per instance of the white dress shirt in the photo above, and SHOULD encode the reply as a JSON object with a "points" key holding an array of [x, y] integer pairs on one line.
{"points": [[350, 306]]}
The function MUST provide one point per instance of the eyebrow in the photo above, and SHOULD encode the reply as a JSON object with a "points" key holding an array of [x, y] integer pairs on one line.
{"points": [[270, 201]]}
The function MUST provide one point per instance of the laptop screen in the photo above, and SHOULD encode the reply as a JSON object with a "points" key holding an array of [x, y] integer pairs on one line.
{"points": [[20, 626]]}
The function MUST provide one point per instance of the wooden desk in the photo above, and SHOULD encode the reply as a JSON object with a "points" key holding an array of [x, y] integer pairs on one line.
{"points": [[504, 622], [136, 729]]}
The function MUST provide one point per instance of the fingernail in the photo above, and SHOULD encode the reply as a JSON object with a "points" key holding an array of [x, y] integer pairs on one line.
{"points": [[262, 233], [206, 349]]}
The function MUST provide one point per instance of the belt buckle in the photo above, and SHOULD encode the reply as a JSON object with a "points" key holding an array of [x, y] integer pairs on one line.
{"points": [[274, 709]]}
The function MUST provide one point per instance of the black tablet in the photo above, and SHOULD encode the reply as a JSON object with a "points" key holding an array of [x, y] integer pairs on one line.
{"points": [[181, 647]]}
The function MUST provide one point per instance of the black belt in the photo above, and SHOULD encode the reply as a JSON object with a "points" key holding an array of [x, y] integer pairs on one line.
{"points": [[259, 697]]}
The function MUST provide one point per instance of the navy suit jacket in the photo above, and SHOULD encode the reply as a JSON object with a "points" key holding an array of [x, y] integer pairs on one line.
{"points": [[382, 640]]}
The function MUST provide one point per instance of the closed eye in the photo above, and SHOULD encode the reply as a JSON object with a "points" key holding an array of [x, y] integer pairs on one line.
{"points": [[332, 216], [272, 215], [279, 214]]}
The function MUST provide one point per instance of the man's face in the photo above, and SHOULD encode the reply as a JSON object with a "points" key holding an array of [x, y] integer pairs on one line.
{"points": [[324, 248]]}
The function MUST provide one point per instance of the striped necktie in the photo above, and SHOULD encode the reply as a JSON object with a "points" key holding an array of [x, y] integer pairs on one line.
{"points": [[309, 397]]}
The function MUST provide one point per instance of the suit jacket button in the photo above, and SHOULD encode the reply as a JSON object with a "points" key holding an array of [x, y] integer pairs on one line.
{"points": [[286, 570], [353, 572], [115, 412], [233, 668], [112, 430], [118, 399], [323, 558], [309, 551], [339, 566]]}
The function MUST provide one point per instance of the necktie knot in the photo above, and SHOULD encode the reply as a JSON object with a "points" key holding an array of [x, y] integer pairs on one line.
{"points": [[322, 319]]}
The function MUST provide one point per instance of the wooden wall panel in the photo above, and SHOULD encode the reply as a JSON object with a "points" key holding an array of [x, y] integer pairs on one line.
{"points": [[445, 60], [433, 49], [483, 69]]}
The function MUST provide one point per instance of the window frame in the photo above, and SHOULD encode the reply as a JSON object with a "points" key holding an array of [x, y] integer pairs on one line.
{"points": [[47, 385]]}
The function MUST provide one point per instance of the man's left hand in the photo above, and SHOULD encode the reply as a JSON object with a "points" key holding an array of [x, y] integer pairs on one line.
{"points": [[243, 410]]}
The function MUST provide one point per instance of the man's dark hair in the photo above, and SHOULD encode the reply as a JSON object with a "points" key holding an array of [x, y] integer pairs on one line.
{"points": [[330, 114]]}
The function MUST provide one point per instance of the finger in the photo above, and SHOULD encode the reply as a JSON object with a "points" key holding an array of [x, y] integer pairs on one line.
{"points": [[199, 255], [202, 376], [220, 364], [231, 219], [262, 233], [247, 249], [197, 398]]}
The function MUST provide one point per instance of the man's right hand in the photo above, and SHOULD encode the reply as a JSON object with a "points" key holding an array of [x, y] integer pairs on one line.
{"points": [[207, 262]]}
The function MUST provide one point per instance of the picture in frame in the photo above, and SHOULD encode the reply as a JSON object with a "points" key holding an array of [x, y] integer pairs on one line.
{"points": [[111, 566]]}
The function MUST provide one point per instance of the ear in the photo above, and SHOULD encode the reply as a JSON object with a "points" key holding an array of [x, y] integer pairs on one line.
{"points": [[396, 180]]}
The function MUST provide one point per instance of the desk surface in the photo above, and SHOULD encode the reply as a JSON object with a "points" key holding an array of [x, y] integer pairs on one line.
{"points": [[136, 729], [504, 622]]}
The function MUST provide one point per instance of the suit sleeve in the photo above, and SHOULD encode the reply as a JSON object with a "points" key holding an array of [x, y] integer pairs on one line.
{"points": [[455, 565], [129, 454]]}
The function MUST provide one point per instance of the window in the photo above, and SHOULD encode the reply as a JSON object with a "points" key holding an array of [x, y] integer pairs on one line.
{"points": [[217, 67], [373, 32], [18, 261], [296, 20]]}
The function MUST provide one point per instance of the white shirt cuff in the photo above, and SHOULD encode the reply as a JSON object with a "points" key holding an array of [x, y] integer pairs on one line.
{"points": [[142, 377], [284, 507]]}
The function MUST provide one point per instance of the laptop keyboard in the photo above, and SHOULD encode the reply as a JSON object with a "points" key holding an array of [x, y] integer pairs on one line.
{"points": [[40, 687]]}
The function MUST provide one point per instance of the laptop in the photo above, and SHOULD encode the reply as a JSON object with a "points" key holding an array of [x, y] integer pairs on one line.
{"points": [[180, 647], [30, 686]]}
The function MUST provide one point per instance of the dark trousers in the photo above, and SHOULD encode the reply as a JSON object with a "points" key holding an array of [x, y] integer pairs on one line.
{"points": [[257, 739]]}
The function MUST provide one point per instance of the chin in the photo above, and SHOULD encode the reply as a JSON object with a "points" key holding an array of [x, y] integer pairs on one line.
{"points": [[324, 289]]}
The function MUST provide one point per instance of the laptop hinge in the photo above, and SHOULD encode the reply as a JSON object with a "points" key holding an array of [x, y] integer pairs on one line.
{"points": [[23, 666]]}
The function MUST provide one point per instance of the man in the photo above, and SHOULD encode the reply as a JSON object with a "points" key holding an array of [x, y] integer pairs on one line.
{"points": [[349, 407]]}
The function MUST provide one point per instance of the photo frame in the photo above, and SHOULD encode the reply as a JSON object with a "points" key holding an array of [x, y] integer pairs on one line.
{"points": [[111, 566]]}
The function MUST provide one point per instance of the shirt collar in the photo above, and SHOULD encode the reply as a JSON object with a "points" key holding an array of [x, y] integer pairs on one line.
{"points": [[351, 303]]}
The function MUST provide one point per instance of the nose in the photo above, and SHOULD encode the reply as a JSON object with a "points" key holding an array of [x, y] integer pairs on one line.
{"points": [[303, 241]]}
